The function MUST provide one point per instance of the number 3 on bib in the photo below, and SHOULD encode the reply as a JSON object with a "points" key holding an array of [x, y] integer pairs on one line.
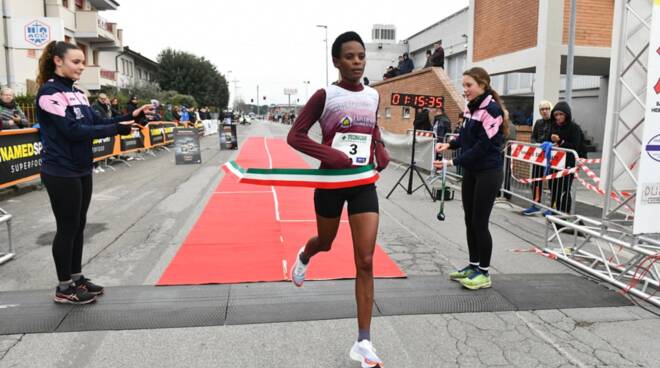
{"points": [[357, 146]]}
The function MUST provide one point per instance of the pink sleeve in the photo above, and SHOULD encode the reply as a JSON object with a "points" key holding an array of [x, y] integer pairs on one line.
{"points": [[491, 124], [55, 104]]}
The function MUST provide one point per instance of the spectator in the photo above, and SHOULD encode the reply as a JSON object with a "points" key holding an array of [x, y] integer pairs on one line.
{"points": [[428, 59], [193, 115], [422, 120], [461, 119], [540, 133], [176, 113], [441, 124], [565, 133], [185, 116], [406, 64], [399, 66], [12, 116], [168, 115], [114, 107], [438, 56], [132, 104], [391, 72], [102, 106]]}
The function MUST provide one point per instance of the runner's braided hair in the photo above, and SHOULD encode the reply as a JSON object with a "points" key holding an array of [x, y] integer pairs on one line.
{"points": [[46, 62]]}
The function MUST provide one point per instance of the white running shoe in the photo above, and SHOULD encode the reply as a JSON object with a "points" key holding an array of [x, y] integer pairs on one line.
{"points": [[298, 270], [365, 353]]}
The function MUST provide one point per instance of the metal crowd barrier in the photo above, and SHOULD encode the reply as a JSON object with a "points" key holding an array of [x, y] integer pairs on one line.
{"points": [[527, 179], [5, 217]]}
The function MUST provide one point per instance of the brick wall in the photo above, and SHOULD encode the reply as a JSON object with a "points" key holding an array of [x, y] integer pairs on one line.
{"points": [[429, 81], [593, 25], [522, 170], [504, 26]]}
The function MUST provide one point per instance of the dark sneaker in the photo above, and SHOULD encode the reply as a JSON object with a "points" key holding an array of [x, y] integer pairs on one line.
{"points": [[88, 286], [531, 211], [73, 295]]}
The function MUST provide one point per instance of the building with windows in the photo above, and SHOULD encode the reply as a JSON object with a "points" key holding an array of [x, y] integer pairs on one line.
{"points": [[77, 21], [132, 68], [525, 53]]}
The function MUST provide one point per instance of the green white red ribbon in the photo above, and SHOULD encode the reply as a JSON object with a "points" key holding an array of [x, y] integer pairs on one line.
{"points": [[310, 178]]}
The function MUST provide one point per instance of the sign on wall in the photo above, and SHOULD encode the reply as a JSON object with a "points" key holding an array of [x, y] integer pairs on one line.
{"points": [[35, 32], [647, 202]]}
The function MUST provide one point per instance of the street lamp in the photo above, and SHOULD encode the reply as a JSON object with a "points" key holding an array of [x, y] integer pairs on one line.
{"points": [[326, 51], [306, 83]]}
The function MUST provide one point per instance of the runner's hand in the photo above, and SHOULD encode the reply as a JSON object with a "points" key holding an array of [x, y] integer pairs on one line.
{"points": [[440, 147]]}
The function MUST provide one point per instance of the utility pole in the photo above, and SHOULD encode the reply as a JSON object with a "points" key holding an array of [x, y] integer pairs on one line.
{"points": [[257, 100], [326, 51], [570, 56]]}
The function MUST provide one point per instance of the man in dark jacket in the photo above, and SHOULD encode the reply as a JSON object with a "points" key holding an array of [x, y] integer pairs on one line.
{"points": [[565, 133], [406, 65], [102, 106], [540, 133], [438, 57], [422, 120], [441, 127]]}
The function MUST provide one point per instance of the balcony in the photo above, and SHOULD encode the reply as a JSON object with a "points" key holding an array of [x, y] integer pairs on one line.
{"points": [[94, 29], [56, 10], [94, 77], [104, 4]]}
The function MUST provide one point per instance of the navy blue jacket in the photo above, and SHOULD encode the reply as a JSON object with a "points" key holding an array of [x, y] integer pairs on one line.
{"points": [[67, 126], [481, 138]]}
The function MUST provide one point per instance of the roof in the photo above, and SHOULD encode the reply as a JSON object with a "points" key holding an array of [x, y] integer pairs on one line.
{"points": [[438, 22], [140, 58]]}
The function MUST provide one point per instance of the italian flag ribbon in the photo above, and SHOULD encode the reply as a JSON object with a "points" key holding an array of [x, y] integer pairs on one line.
{"points": [[310, 178]]}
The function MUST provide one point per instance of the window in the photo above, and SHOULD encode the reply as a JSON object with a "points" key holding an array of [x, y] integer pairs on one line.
{"points": [[95, 57], [65, 3], [388, 113], [139, 73], [80, 4], [83, 48], [406, 112]]}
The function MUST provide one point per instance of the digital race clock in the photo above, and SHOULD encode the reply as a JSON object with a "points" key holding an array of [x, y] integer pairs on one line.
{"points": [[421, 101]]}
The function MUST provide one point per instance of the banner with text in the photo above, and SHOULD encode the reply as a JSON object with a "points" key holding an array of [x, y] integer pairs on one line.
{"points": [[647, 203]]}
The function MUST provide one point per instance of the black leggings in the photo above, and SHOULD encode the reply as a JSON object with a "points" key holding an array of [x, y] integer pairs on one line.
{"points": [[479, 190], [561, 193], [69, 198]]}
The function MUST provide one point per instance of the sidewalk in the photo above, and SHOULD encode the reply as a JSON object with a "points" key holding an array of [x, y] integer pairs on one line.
{"points": [[140, 215]]}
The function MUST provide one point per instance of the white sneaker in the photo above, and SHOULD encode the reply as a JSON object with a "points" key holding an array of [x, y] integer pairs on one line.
{"points": [[365, 353], [298, 270]]}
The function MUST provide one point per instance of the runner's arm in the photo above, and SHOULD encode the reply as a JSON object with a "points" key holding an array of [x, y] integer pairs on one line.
{"points": [[298, 137]]}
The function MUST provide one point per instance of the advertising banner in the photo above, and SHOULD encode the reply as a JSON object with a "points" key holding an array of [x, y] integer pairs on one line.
{"points": [[186, 146], [103, 147], [35, 32], [20, 157], [132, 141], [647, 202], [228, 137]]}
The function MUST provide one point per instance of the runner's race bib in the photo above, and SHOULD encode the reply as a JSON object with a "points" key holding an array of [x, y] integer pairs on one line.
{"points": [[357, 146]]}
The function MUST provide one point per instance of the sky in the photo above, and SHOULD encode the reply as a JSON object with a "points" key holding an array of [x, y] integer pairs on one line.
{"points": [[271, 43]]}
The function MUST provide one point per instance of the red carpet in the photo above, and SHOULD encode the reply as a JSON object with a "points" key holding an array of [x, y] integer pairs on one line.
{"points": [[243, 236]]}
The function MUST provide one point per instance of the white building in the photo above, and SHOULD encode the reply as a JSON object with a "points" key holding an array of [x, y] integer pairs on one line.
{"points": [[515, 83], [383, 51], [132, 68], [76, 21]]}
